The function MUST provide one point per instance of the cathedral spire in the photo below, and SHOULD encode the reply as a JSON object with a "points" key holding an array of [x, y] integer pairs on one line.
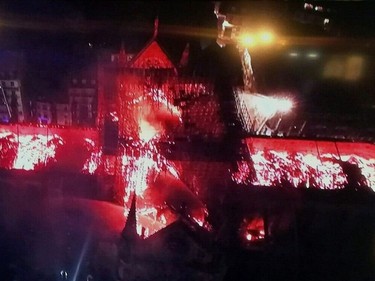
{"points": [[130, 229], [185, 56], [156, 27], [122, 54]]}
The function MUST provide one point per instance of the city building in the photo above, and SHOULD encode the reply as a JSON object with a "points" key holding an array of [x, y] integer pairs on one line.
{"points": [[43, 112], [12, 100], [82, 93], [63, 114]]}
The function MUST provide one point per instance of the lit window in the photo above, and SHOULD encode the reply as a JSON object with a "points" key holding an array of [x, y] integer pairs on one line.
{"points": [[83, 81]]}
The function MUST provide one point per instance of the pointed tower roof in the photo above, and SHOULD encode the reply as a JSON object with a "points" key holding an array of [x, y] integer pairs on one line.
{"points": [[130, 230], [122, 54], [185, 56], [156, 27], [152, 55]]}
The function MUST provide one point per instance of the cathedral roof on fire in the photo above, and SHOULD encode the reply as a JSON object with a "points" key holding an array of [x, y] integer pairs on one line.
{"points": [[152, 56]]}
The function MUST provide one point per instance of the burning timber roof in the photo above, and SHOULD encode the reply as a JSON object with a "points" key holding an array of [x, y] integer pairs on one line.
{"points": [[152, 55]]}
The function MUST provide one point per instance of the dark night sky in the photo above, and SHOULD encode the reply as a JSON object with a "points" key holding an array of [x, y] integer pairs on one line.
{"points": [[113, 17], [55, 36]]}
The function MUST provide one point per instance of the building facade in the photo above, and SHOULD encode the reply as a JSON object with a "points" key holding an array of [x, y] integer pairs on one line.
{"points": [[43, 112], [82, 92], [63, 114], [12, 98], [12, 108]]}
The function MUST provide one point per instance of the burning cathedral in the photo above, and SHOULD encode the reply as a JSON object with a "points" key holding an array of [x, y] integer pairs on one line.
{"points": [[171, 146]]}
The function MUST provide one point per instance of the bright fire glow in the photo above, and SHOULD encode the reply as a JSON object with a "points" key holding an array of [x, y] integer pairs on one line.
{"points": [[266, 37], [34, 148], [247, 40], [142, 164], [146, 131], [265, 106], [92, 163], [255, 109], [284, 105], [114, 116], [250, 40], [139, 172], [28, 152], [269, 106], [277, 168], [252, 229]]}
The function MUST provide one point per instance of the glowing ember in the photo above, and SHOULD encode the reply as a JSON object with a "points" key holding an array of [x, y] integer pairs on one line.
{"points": [[27, 152], [252, 229], [297, 169], [36, 150], [8, 149], [149, 113], [141, 165], [146, 131], [92, 163], [109, 164], [114, 116], [139, 170], [242, 175], [31, 148], [255, 110]]}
